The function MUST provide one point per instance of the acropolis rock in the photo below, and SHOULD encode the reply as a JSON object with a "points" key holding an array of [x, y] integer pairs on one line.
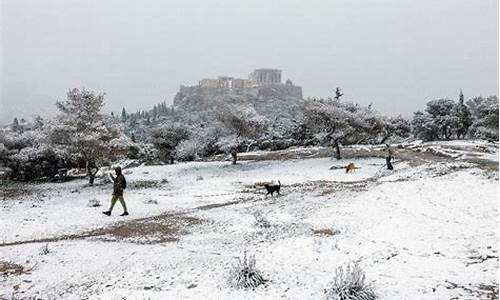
{"points": [[263, 82]]}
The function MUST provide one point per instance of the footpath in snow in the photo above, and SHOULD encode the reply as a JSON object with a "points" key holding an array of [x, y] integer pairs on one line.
{"points": [[424, 231]]}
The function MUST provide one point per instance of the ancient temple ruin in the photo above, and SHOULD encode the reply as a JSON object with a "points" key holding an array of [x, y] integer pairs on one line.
{"points": [[265, 76], [265, 81]]}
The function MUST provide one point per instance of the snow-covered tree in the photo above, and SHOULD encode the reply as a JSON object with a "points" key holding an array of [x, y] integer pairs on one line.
{"points": [[444, 118], [167, 137], [38, 122], [464, 118], [484, 112], [203, 141], [28, 156], [423, 126], [336, 122], [83, 131], [124, 115], [15, 125], [396, 127], [442, 112], [242, 120]]}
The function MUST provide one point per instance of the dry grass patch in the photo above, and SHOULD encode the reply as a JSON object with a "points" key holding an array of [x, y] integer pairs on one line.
{"points": [[482, 291], [8, 268], [159, 229], [145, 184], [150, 230], [329, 187], [11, 190], [325, 231]]}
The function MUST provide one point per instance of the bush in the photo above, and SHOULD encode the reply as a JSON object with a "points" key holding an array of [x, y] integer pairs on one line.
{"points": [[147, 152], [188, 150], [350, 285], [44, 250], [244, 274]]}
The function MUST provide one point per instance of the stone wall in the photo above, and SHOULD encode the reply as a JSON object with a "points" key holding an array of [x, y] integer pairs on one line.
{"points": [[280, 90]]}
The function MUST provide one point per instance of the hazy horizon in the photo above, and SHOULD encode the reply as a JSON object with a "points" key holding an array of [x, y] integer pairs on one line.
{"points": [[396, 54]]}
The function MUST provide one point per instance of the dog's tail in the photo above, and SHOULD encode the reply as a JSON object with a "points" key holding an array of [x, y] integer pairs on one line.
{"points": [[279, 183]]}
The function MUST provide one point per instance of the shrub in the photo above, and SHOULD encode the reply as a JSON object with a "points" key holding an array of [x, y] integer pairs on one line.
{"points": [[44, 250], [244, 274], [349, 284]]}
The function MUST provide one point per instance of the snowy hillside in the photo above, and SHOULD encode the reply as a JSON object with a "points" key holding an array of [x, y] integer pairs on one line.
{"points": [[280, 110], [427, 230]]}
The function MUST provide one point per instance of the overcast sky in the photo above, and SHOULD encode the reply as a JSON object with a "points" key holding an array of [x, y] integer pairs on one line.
{"points": [[397, 54]]}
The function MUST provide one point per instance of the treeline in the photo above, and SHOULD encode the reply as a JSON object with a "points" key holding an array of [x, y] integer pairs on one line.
{"points": [[444, 119], [81, 136]]}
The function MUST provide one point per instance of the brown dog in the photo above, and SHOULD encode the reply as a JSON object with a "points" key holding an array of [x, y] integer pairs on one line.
{"points": [[350, 168]]}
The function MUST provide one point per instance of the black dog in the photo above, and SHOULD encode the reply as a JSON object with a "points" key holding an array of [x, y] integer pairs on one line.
{"points": [[273, 188]]}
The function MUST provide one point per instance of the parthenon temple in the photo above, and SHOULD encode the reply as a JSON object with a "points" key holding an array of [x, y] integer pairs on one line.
{"points": [[264, 81], [258, 77]]}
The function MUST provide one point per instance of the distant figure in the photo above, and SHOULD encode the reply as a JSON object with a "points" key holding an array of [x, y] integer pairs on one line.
{"points": [[234, 154], [388, 157], [119, 184], [62, 173]]}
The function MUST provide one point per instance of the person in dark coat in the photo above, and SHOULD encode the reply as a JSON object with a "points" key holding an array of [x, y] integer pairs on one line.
{"points": [[388, 157], [119, 184]]}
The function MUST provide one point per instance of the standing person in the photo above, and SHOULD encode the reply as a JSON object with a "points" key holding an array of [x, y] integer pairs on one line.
{"points": [[119, 184], [388, 157]]}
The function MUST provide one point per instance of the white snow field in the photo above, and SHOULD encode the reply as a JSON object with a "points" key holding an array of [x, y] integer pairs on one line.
{"points": [[427, 230]]}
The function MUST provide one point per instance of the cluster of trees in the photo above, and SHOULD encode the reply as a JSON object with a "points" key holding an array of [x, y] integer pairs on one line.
{"points": [[444, 119], [82, 136], [234, 125]]}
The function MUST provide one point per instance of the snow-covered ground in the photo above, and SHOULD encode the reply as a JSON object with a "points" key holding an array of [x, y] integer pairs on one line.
{"points": [[423, 231]]}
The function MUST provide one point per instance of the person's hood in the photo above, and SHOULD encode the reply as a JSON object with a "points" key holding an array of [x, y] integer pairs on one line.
{"points": [[118, 171]]}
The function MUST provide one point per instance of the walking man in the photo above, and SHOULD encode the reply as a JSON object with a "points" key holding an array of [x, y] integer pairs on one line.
{"points": [[119, 184], [388, 157]]}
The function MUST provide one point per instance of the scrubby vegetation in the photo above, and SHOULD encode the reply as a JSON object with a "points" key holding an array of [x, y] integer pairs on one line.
{"points": [[44, 250], [349, 284], [244, 274], [81, 136]]}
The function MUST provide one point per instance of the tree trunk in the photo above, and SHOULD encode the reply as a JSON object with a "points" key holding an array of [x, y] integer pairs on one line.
{"points": [[385, 138], [91, 178], [234, 154], [89, 167], [337, 149]]}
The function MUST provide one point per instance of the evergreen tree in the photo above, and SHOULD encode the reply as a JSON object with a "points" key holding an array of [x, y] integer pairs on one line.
{"points": [[464, 117], [82, 129], [38, 122], [338, 93], [124, 115], [15, 125]]}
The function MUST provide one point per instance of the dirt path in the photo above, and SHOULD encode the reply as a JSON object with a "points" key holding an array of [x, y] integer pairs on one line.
{"points": [[414, 157], [168, 227]]}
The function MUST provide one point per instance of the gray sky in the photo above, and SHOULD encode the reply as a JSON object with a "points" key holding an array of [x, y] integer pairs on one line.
{"points": [[397, 54]]}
